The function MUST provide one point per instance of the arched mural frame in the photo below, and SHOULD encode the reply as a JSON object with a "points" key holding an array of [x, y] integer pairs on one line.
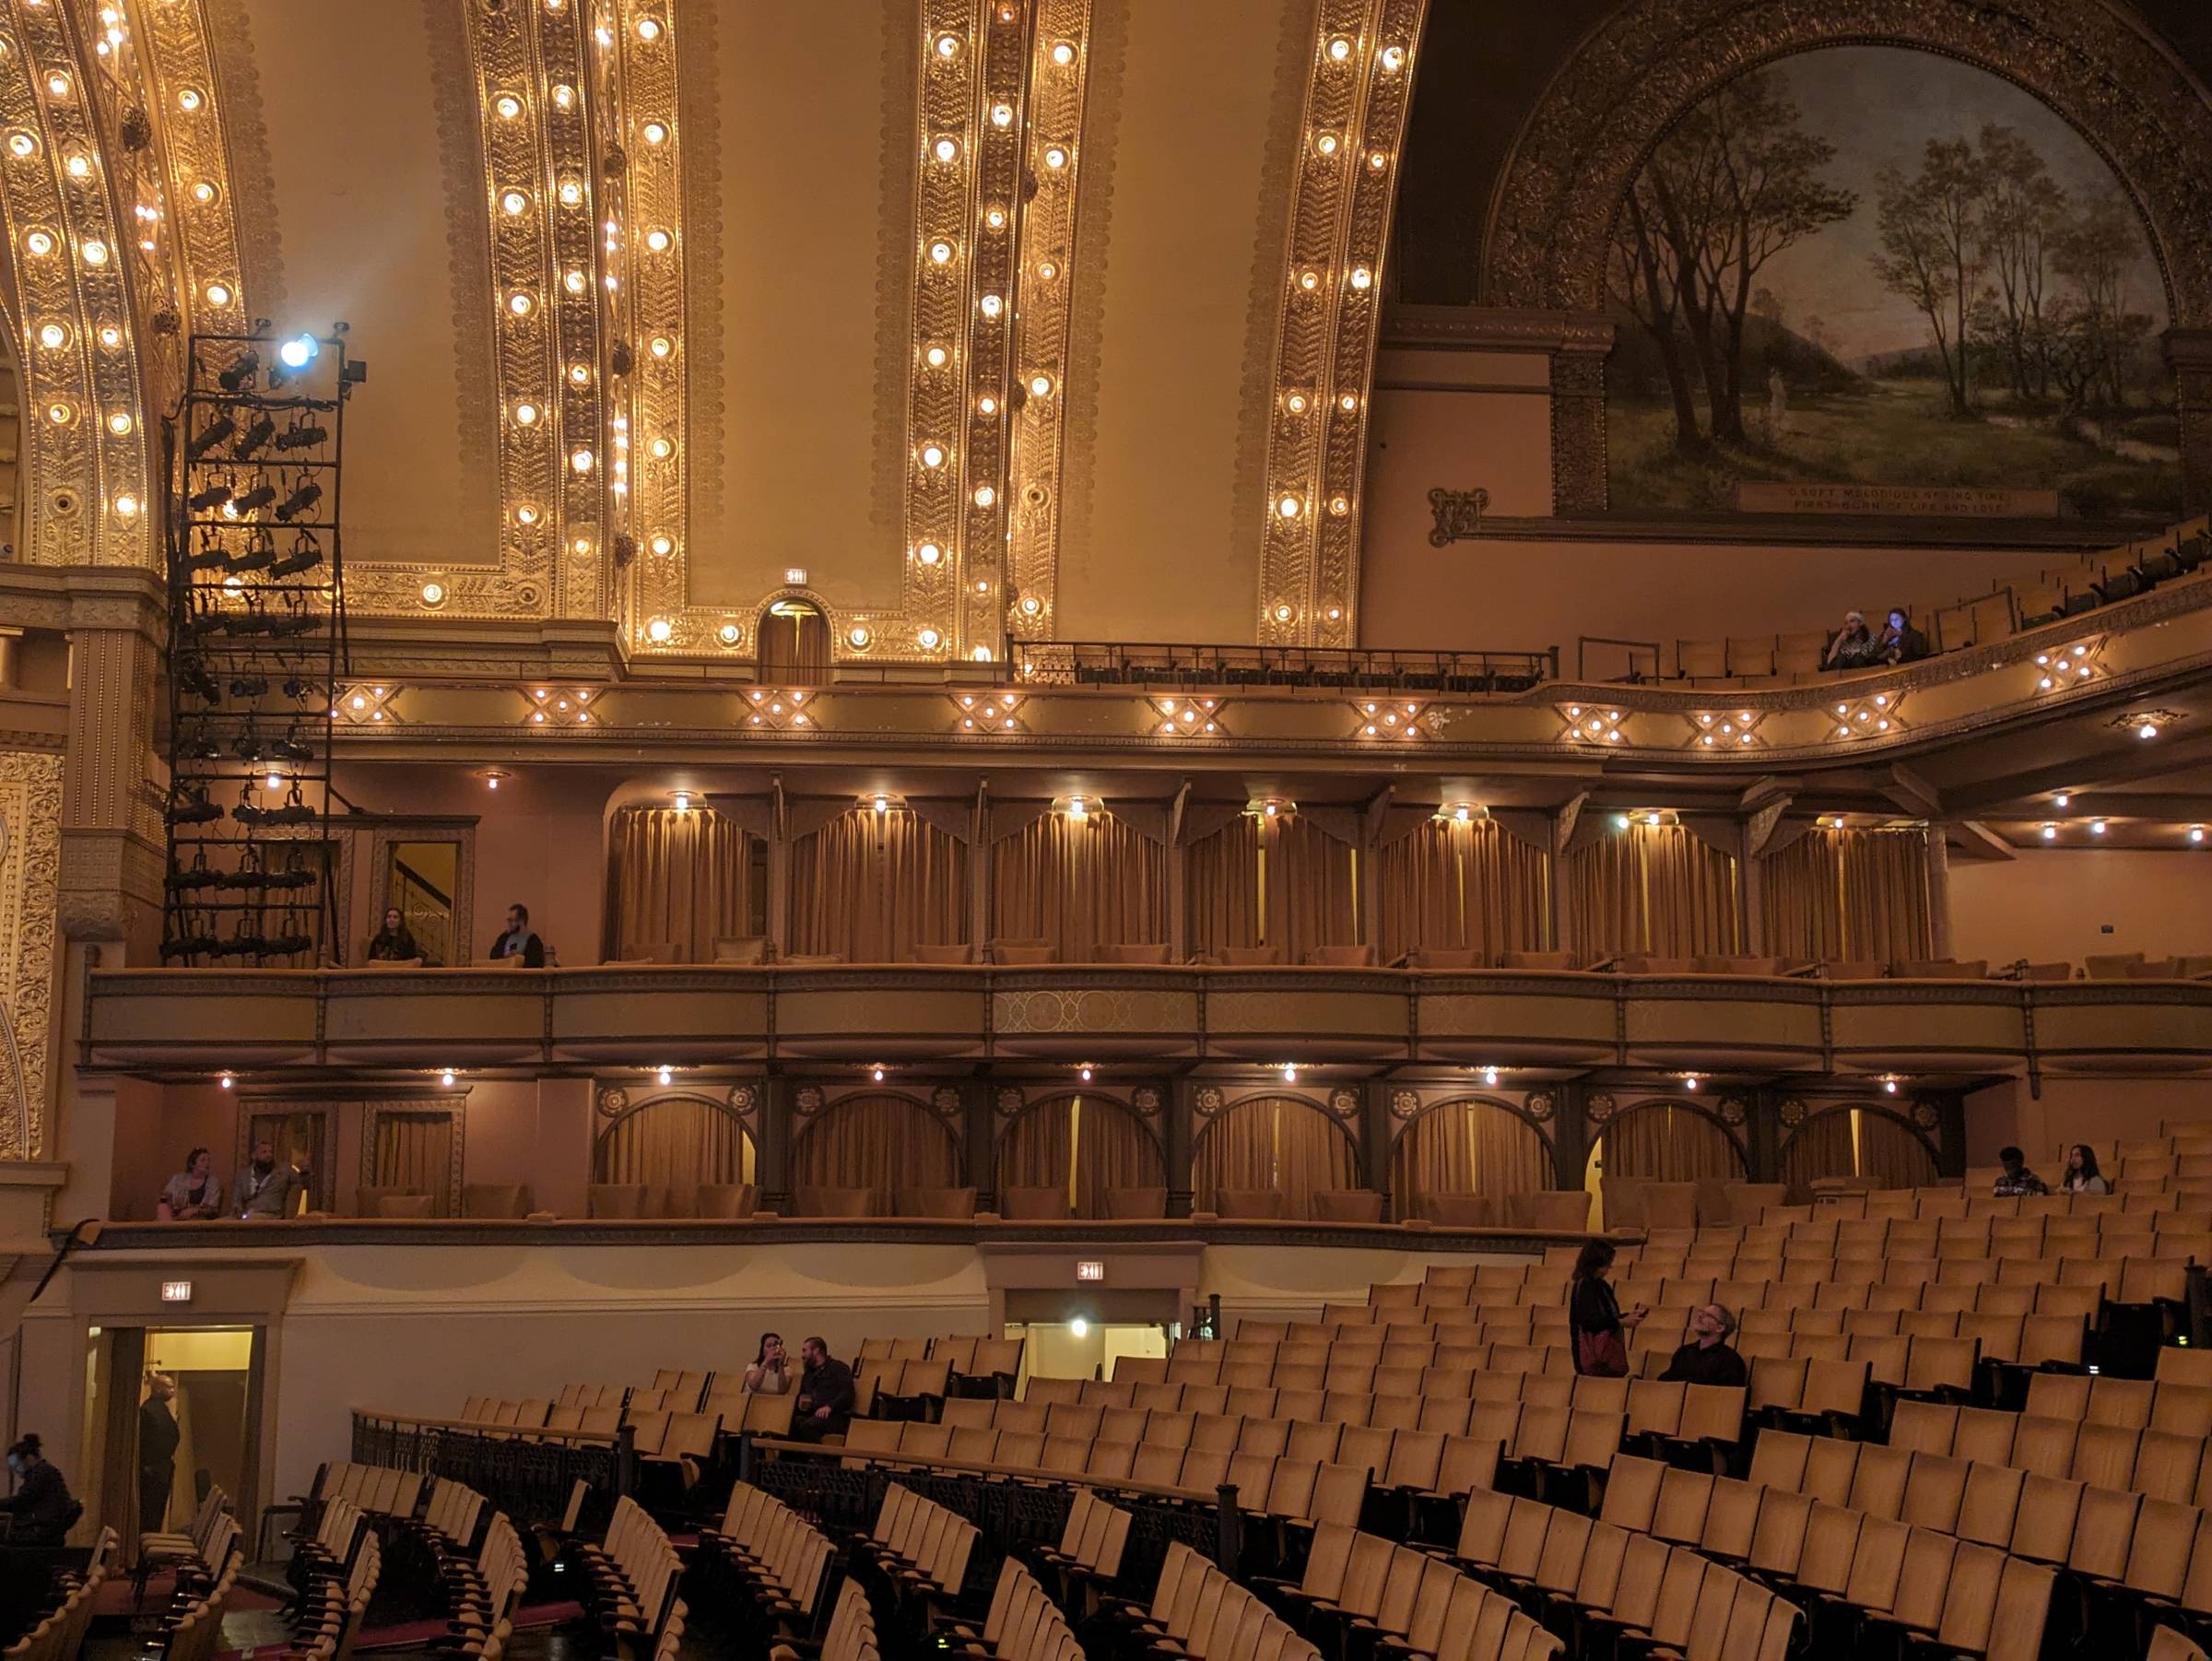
{"points": [[1603, 1116], [1633, 76], [1794, 1126]]}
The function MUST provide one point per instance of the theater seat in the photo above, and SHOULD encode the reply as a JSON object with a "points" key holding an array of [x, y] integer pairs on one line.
{"points": [[811, 959], [833, 1202], [369, 1201], [1670, 1205], [961, 953], [1637, 962], [1942, 969], [1855, 971], [1435, 958], [1341, 957], [725, 1199], [618, 1199], [741, 948], [1536, 960], [1800, 654], [1566, 1210], [936, 1202], [406, 1205], [1249, 957], [1022, 954], [1134, 953], [648, 951], [495, 1199], [1248, 1203], [1033, 1204], [2111, 966], [1136, 1205], [1624, 1201], [1347, 1205], [1461, 1210]]}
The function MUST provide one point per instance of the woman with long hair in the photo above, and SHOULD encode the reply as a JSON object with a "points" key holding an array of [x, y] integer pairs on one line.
{"points": [[769, 1374], [1595, 1320], [2082, 1175]]}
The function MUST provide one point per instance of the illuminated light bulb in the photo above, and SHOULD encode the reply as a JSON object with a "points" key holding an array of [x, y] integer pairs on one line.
{"points": [[1362, 277], [929, 553], [657, 240], [984, 496], [1002, 115], [986, 404], [683, 801], [983, 585], [1083, 1073], [2096, 827], [858, 636], [660, 629], [519, 305], [1843, 732], [662, 545], [1340, 50], [1348, 402], [936, 356], [995, 217], [2196, 833], [1063, 54], [932, 455], [1335, 613], [944, 149], [1889, 1086], [1282, 614], [579, 374], [940, 252], [572, 192], [580, 461], [1690, 1083], [2060, 800], [53, 334], [96, 253], [2148, 730], [22, 143], [1340, 505], [1326, 143], [930, 640], [655, 133], [2082, 652], [1290, 507], [59, 414], [433, 594], [1879, 726], [948, 45], [981, 654], [1048, 271], [218, 294], [662, 449], [991, 305], [508, 105], [1296, 402], [38, 242], [361, 703], [1309, 279], [728, 634], [666, 1076], [649, 29], [127, 507], [120, 422], [57, 84], [1745, 737], [203, 192], [659, 345], [2046, 683], [1393, 58], [525, 415], [1055, 158], [575, 282], [225, 1081], [1290, 1074], [513, 202]]}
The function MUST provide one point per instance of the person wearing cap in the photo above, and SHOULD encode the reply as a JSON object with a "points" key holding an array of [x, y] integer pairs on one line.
{"points": [[1853, 646]]}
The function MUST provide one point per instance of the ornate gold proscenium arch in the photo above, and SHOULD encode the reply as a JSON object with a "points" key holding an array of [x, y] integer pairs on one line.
{"points": [[1551, 217], [1356, 99]]}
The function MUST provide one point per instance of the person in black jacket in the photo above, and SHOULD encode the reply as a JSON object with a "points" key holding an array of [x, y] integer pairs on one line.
{"points": [[157, 1438], [519, 941], [1592, 1311], [1708, 1358], [394, 943], [41, 1507], [825, 1395]]}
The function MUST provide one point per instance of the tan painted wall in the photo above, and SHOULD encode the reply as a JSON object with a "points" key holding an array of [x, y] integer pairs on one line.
{"points": [[2050, 904], [2076, 1110]]}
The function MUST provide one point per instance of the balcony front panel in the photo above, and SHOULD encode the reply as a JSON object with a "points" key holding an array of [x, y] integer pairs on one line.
{"points": [[646, 1016], [1095, 1014], [868, 1015], [1722, 1021], [483, 1016], [1532, 1018], [2103, 1027], [1281, 1014], [203, 1017], [1923, 1025]]}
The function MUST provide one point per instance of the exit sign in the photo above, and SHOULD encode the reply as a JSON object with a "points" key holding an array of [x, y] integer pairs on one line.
{"points": [[176, 1291], [1091, 1269]]}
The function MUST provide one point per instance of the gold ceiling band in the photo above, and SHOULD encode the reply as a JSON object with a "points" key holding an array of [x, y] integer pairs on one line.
{"points": [[1059, 78], [83, 497], [1354, 119]]}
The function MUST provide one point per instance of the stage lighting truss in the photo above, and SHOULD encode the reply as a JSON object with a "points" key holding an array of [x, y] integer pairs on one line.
{"points": [[984, 715], [1189, 718], [780, 710], [1870, 715], [256, 652]]}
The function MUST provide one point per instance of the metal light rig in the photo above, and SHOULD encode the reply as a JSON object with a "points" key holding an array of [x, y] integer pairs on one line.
{"points": [[256, 649]]}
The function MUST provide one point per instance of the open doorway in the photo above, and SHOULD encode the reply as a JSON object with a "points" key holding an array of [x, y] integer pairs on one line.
{"points": [[1081, 1347], [795, 645], [191, 1393]]}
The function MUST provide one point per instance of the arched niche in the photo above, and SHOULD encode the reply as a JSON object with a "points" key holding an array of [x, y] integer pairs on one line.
{"points": [[1475, 1146], [1286, 1142], [1082, 1143], [674, 1141], [880, 1139], [1666, 1139], [1858, 1140]]}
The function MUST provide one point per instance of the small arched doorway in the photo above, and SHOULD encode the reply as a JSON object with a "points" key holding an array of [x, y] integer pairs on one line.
{"points": [[795, 645]]}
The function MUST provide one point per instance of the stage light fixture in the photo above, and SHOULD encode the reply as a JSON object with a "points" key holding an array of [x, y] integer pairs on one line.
{"points": [[299, 351], [303, 497], [254, 437], [258, 498], [238, 373], [220, 431]]}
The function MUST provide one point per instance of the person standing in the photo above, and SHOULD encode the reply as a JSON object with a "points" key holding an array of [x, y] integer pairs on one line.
{"points": [[826, 1394], [41, 1506], [157, 1440], [1594, 1321]]}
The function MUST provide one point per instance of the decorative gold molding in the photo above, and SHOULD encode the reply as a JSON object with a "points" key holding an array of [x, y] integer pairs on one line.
{"points": [[1357, 99], [85, 498], [30, 838], [1045, 273], [648, 485]]}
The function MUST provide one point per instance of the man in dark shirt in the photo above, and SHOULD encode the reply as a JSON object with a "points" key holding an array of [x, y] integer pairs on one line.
{"points": [[825, 1404], [2016, 1178], [1708, 1358], [158, 1438], [519, 941]]}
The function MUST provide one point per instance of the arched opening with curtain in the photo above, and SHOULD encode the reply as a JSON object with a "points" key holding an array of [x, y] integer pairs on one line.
{"points": [[869, 888], [1864, 1143], [678, 880], [1447, 884], [794, 645], [1850, 896], [1077, 882], [1660, 889], [1287, 880], [672, 1144], [1471, 1148], [1083, 1146], [880, 1140], [1666, 1142], [1278, 1142]]}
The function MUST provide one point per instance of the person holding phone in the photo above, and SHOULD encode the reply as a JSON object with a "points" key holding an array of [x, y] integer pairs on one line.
{"points": [[1594, 1319]]}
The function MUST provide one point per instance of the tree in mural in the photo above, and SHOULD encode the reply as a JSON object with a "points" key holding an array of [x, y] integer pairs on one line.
{"points": [[1738, 180], [2023, 215], [1931, 229]]}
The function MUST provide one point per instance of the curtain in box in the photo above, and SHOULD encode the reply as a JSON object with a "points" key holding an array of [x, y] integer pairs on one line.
{"points": [[879, 1141], [1665, 1143], [1474, 1147], [1449, 885], [1221, 887], [1850, 896], [673, 878], [1313, 881], [1655, 888], [416, 1150], [1079, 883], [674, 1142], [1085, 1145], [869, 886], [1273, 1142]]}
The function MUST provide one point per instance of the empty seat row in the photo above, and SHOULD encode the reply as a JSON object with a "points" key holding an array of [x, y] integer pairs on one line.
{"points": [[2165, 1464], [1420, 1603]]}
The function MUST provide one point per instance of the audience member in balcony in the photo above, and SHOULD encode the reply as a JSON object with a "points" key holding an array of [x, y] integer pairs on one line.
{"points": [[1709, 1358], [265, 1188], [518, 941], [1900, 642], [825, 1404], [1853, 646], [2082, 1175], [1594, 1318], [2016, 1178], [195, 1194], [395, 942], [41, 1506], [771, 1373], [157, 1438]]}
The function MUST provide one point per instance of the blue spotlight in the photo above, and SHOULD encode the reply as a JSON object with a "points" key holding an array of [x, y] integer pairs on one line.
{"points": [[299, 351]]}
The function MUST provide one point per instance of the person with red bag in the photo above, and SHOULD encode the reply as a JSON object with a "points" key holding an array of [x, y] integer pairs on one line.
{"points": [[1594, 1318]]}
